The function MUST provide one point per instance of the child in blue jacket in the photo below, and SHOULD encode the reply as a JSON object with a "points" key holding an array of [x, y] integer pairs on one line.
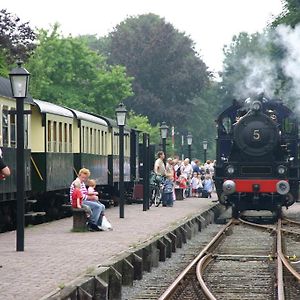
{"points": [[168, 189]]}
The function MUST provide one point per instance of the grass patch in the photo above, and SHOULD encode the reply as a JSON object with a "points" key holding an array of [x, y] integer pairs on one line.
{"points": [[84, 229], [61, 286]]}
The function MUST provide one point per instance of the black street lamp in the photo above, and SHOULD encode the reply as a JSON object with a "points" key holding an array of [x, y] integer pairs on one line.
{"points": [[19, 79], [204, 149], [189, 139], [164, 133], [121, 120]]}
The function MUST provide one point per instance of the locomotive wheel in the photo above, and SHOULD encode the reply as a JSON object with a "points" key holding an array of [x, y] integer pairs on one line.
{"points": [[235, 211]]}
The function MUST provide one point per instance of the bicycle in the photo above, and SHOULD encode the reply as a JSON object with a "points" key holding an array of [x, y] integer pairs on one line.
{"points": [[155, 190], [155, 195]]}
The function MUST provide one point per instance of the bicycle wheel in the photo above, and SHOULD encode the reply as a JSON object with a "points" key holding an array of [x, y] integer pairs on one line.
{"points": [[158, 196], [152, 195]]}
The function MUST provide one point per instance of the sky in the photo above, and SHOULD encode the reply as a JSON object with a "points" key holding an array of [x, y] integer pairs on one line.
{"points": [[210, 23]]}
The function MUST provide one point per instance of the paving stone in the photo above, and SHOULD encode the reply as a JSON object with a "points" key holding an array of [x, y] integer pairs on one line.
{"points": [[54, 255]]}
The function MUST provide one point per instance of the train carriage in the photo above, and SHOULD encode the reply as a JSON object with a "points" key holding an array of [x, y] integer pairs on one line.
{"points": [[58, 142], [91, 145], [52, 156]]}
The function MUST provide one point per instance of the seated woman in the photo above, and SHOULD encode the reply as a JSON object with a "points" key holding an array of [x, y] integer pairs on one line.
{"points": [[96, 207]]}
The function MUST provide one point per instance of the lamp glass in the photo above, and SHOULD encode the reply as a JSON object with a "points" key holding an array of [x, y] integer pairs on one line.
{"points": [[164, 130], [19, 79], [189, 139], [121, 114], [204, 145]]}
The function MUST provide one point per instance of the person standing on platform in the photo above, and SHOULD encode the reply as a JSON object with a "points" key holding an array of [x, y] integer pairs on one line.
{"points": [[168, 190], [159, 165]]}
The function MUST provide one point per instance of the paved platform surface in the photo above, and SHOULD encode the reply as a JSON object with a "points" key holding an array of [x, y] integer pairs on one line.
{"points": [[54, 255]]}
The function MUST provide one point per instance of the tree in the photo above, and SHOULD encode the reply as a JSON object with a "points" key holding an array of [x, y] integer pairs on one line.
{"points": [[17, 40], [167, 70], [142, 123], [66, 71], [290, 14]]}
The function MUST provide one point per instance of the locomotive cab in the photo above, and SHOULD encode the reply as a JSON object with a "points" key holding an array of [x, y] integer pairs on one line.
{"points": [[257, 156]]}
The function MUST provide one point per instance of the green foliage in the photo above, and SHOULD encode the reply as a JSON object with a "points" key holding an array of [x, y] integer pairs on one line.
{"points": [[17, 40], [67, 72], [142, 123], [290, 14], [167, 70]]}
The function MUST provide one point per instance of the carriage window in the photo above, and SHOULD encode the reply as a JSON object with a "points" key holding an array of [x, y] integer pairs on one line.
{"points": [[13, 130], [59, 137], [49, 136], [287, 125], [226, 125], [91, 140], [66, 137], [5, 126], [82, 139], [54, 136], [99, 142], [105, 143], [70, 137]]}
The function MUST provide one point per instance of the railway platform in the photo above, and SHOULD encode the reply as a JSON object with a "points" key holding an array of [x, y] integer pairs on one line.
{"points": [[54, 255]]}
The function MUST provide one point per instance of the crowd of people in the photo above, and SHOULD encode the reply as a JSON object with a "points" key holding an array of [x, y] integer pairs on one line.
{"points": [[195, 179]]}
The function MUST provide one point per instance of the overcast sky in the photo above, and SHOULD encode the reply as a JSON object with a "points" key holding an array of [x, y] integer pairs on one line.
{"points": [[210, 23]]}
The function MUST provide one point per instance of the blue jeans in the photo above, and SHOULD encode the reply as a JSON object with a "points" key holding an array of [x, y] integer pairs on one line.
{"points": [[97, 211], [168, 199]]}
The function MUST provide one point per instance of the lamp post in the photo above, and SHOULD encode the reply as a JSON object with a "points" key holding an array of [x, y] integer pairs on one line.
{"points": [[204, 149], [164, 133], [189, 139], [19, 79], [121, 119]]}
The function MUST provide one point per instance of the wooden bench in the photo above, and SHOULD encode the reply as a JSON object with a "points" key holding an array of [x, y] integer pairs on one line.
{"points": [[79, 219]]}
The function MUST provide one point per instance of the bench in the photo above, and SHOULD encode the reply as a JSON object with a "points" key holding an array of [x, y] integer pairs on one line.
{"points": [[79, 220]]}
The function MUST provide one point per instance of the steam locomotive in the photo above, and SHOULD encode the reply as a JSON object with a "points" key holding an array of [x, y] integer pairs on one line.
{"points": [[257, 156]]}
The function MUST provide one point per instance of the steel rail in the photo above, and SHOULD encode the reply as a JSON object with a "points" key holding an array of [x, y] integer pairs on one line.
{"points": [[280, 283], [200, 269], [282, 256], [172, 288], [291, 221], [268, 227]]}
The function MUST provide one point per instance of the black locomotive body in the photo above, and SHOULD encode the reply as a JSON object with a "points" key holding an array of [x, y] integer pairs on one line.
{"points": [[257, 164]]}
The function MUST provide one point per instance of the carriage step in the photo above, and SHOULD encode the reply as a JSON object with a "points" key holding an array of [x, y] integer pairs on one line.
{"points": [[32, 201], [35, 214], [66, 205]]}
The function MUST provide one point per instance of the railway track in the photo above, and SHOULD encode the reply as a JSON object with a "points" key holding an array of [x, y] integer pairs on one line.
{"points": [[244, 261]]}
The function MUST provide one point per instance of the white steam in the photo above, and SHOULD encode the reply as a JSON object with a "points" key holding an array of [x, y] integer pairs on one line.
{"points": [[262, 72], [289, 39]]}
